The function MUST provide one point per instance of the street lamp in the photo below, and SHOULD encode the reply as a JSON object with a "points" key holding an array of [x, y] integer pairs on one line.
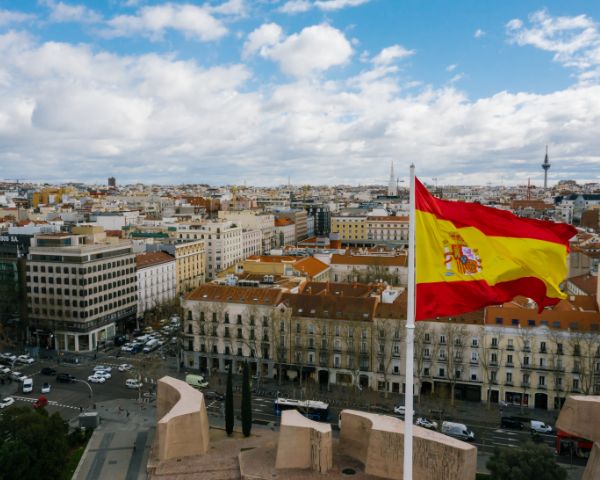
{"points": [[90, 388]]}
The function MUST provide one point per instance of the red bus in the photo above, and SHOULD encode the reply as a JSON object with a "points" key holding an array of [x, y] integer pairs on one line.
{"points": [[565, 441]]}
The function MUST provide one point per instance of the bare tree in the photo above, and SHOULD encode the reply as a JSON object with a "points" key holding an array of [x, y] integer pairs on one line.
{"points": [[525, 358], [282, 315], [422, 331], [456, 337], [387, 334], [208, 326], [556, 364], [490, 356], [585, 348]]}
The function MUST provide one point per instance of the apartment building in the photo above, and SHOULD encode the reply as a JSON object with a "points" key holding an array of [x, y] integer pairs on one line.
{"points": [[285, 232], [252, 220], [252, 242], [228, 326], [80, 287], [352, 229], [368, 265], [300, 219], [190, 259], [156, 279], [388, 230]]}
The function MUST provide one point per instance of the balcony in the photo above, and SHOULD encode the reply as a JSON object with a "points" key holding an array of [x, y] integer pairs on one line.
{"points": [[508, 383], [510, 364], [510, 348], [541, 387], [526, 349], [525, 384]]}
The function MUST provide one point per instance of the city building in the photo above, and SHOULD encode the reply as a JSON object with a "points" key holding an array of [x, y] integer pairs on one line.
{"points": [[252, 220], [388, 230], [285, 232], [352, 229], [300, 220], [80, 288], [13, 286], [369, 265], [322, 219], [190, 260], [156, 279]]}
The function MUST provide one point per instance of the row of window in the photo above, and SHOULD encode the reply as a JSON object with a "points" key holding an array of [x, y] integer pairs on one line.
{"points": [[81, 314], [82, 281], [83, 292], [80, 270]]}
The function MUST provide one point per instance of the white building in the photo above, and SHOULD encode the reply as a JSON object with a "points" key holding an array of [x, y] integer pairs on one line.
{"points": [[224, 245], [251, 242], [156, 279], [116, 220], [285, 232], [251, 220]]}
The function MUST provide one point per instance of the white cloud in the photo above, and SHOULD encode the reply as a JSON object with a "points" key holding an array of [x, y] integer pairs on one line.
{"points": [[390, 54], [314, 49], [574, 41], [230, 7], [155, 118], [266, 35], [61, 12], [10, 16], [451, 68], [152, 22], [479, 33], [299, 6]]}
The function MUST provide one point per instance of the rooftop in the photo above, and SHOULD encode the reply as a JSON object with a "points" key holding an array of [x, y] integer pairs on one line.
{"points": [[144, 260]]}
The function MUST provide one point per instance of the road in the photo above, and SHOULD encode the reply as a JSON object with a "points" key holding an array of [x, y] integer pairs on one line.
{"points": [[69, 398]]}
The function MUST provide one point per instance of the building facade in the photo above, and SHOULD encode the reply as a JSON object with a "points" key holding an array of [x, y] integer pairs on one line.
{"points": [[389, 230], [78, 292], [156, 279], [190, 260]]}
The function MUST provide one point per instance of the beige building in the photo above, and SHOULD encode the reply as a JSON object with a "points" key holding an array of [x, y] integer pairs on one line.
{"points": [[388, 230], [190, 261], [369, 265], [79, 288], [156, 278], [351, 229], [253, 220]]}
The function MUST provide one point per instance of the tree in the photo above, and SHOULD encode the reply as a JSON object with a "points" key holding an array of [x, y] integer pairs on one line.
{"points": [[490, 357], [282, 315], [524, 463], [246, 401], [229, 417], [456, 336], [32, 444], [421, 330], [388, 338]]}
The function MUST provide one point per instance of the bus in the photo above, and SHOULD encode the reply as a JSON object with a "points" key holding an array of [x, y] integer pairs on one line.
{"points": [[312, 409], [567, 443]]}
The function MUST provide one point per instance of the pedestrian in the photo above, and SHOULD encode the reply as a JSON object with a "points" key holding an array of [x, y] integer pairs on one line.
{"points": [[127, 413], [80, 409]]}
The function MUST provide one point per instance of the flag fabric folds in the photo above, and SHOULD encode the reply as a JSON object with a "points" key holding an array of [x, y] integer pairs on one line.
{"points": [[469, 256]]}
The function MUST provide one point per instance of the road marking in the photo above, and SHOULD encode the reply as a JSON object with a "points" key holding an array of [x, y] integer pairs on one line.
{"points": [[50, 402]]}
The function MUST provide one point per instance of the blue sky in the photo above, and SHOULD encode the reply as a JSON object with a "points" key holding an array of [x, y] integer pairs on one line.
{"points": [[323, 91]]}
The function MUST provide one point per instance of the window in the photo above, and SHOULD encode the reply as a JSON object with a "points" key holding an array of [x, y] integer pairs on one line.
{"points": [[541, 381], [525, 360], [510, 345], [494, 342], [559, 348], [542, 347], [442, 339], [493, 376], [509, 359], [473, 356], [441, 372], [509, 377], [475, 342], [494, 358], [575, 384], [499, 320]]}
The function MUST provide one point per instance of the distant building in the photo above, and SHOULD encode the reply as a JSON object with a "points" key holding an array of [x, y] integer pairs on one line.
{"points": [[112, 182], [190, 260], [299, 218], [322, 218]]}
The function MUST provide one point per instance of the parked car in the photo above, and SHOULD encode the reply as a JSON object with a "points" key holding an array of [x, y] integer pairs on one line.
{"points": [[65, 378], [25, 359], [212, 395], [400, 410], [9, 356], [102, 373], [104, 368], [196, 381], [539, 427], [96, 379], [40, 402], [125, 367], [426, 423], [18, 376], [48, 371], [510, 422], [6, 402], [27, 385], [46, 387], [458, 430], [4, 370], [133, 383]]}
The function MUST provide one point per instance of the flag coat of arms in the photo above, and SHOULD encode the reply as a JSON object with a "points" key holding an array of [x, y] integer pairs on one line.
{"points": [[469, 256]]}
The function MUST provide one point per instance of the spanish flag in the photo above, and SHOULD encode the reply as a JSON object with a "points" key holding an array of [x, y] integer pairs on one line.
{"points": [[469, 256]]}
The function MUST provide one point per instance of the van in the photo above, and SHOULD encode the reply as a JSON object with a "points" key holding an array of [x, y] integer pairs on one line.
{"points": [[27, 385], [458, 430], [196, 381], [133, 383], [539, 427], [151, 345]]}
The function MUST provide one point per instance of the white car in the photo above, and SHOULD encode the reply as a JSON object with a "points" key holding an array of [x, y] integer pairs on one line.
{"points": [[102, 373], [25, 359], [96, 379], [133, 383], [426, 423], [399, 410], [9, 356], [18, 376], [46, 387], [124, 367], [6, 402], [4, 370], [539, 427], [103, 368]]}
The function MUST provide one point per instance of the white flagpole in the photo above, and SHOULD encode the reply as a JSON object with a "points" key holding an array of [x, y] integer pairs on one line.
{"points": [[410, 334]]}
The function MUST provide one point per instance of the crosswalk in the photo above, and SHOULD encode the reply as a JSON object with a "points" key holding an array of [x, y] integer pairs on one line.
{"points": [[50, 402]]}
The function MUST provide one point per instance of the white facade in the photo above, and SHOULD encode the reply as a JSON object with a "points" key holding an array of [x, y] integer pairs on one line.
{"points": [[247, 219], [157, 284], [251, 242], [289, 235], [223, 241]]}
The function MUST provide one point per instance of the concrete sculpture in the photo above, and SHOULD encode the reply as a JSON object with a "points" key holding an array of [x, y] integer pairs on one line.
{"points": [[377, 441], [182, 428], [304, 443], [580, 416]]}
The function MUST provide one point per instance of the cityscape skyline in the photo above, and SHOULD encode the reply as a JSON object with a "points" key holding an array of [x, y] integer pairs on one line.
{"points": [[236, 91]]}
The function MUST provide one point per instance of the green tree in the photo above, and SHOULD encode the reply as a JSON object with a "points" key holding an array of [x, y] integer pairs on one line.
{"points": [[33, 445], [530, 461], [246, 402], [229, 417]]}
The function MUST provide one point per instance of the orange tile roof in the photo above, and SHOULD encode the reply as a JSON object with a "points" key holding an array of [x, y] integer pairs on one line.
{"points": [[227, 294], [271, 258], [144, 260], [587, 283], [283, 222], [390, 218], [310, 266], [357, 290]]}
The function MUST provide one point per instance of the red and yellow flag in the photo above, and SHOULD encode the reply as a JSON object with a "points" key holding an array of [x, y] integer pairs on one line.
{"points": [[469, 256]]}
